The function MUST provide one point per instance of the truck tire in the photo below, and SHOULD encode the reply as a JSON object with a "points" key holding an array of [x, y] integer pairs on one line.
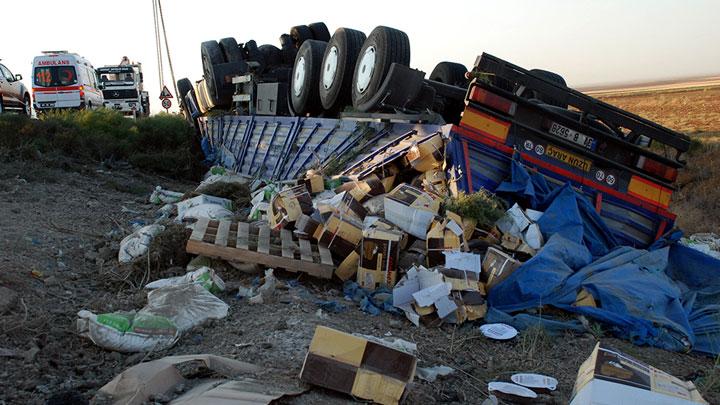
{"points": [[549, 76], [271, 55], [450, 73], [252, 53], [300, 34], [383, 47], [319, 31], [184, 86], [230, 50], [211, 54], [304, 89], [338, 67]]}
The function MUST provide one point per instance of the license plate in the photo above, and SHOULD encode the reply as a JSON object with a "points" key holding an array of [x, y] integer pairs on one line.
{"points": [[45, 105], [572, 136], [569, 158]]}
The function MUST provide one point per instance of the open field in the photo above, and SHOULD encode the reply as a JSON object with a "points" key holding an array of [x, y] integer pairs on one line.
{"points": [[688, 106]]}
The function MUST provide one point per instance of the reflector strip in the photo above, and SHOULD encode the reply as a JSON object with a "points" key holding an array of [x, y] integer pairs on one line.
{"points": [[647, 191], [485, 124]]}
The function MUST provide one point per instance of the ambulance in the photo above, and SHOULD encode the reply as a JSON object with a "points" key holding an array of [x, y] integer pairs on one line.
{"points": [[64, 80]]}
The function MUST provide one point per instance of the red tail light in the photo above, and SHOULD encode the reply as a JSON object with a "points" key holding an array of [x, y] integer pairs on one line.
{"points": [[657, 168], [82, 92], [484, 97]]}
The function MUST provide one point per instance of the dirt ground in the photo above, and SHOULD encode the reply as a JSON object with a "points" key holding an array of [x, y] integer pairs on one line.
{"points": [[684, 110], [61, 225]]}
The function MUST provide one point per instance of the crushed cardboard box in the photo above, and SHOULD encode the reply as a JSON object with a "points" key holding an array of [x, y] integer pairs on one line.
{"points": [[412, 210], [341, 234], [287, 206], [609, 376], [357, 366], [496, 267], [379, 252]]}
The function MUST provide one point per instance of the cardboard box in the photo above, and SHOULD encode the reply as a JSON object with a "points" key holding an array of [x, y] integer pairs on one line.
{"points": [[444, 235], [314, 182], [342, 204], [357, 366], [379, 251], [427, 155], [341, 235], [497, 266], [468, 224], [364, 189], [348, 267], [412, 210], [433, 181], [306, 227], [461, 280], [287, 206], [609, 376]]}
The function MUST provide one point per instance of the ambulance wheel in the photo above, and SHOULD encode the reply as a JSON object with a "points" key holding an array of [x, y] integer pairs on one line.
{"points": [[383, 47], [319, 31], [211, 55], [450, 73], [300, 34], [304, 90], [230, 50], [338, 66]]}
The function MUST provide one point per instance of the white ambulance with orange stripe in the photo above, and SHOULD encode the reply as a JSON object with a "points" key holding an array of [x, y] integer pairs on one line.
{"points": [[64, 80]]}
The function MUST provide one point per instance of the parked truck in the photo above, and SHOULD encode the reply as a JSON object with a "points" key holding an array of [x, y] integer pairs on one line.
{"points": [[123, 88], [355, 95]]}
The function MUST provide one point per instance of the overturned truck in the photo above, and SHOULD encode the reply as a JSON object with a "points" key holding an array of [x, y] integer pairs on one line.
{"points": [[350, 104]]}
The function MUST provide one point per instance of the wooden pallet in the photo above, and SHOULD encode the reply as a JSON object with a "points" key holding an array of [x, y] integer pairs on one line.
{"points": [[238, 241]]}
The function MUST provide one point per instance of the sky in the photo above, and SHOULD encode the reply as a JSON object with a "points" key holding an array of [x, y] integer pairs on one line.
{"points": [[589, 42]]}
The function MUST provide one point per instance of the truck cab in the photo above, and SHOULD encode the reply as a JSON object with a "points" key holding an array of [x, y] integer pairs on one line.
{"points": [[64, 80], [123, 89]]}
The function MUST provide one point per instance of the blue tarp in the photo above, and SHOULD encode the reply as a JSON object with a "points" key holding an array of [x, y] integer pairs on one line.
{"points": [[667, 296]]}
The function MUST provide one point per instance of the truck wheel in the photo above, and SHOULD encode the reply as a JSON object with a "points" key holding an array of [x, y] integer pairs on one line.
{"points": [[230, 50], [319, 31], [271, 55], [304, 91], [383, 47], [338, 66], [184, 86], [211, 55], [252, 53], [549, 76], [450, 73], [300, 34]]}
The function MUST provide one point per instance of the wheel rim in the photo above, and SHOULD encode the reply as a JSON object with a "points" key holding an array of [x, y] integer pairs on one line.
{"points": [[366, 69], [27, 106], [299, 77], [330, 70]]}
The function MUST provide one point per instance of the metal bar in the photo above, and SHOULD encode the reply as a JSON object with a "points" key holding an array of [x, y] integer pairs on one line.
{"points": [[272, 139], [604, 111], [257, 145], [381, 149], [300, 149], [246, 138], [285, 152], [309, 156]]}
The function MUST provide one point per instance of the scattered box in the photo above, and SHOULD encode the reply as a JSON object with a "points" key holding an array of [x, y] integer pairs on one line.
{"points": [[412, 210], [609, 376], [343, 204], [427, 155], [348, 267], [379, 251], [364, 189], [287, 206], [497, 266], [341, 235], [315, 182], [357, 366]]}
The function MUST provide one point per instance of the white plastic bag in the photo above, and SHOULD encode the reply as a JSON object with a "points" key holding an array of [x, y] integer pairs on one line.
{"points": [[211, 211], [183, 207], [187, 306], [137, 243], [205, 276], [161, 196], [128, 331]]}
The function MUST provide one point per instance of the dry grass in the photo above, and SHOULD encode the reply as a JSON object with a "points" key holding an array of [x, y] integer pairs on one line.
{"points": [[690, 111]]}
